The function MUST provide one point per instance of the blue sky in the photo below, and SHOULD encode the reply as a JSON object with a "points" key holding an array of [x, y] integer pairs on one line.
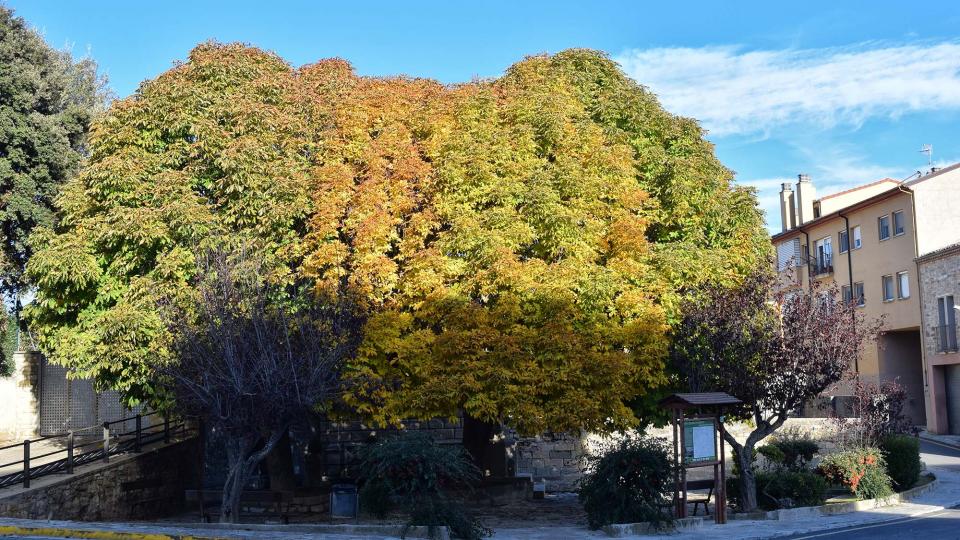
{"points": [[844, 91]]}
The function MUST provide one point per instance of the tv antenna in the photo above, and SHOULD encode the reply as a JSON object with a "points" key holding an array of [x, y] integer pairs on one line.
{"points": [[928, 150]]}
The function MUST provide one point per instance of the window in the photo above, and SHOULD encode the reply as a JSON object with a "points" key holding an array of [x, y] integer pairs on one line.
{"points": [[788, 254], [857, 290], [898, 226], [903, 285], [844, 242], [825, 301], [884, 226], [857, 242], [887, 282], [946, 331], [823, 253]]}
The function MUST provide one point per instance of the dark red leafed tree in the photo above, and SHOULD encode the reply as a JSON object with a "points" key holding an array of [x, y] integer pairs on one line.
{"points": [[773, 349], [253, 359]]}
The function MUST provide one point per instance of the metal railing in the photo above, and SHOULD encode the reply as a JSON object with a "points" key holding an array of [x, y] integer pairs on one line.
{"points": [[946, 336], [87, 445], [821, 265]]}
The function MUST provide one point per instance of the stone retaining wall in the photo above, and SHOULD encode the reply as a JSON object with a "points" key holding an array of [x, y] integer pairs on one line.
{"points": [[558, 459], [141, 486]]}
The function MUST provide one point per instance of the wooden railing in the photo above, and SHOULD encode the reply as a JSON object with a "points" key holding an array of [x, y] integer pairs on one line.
{"points": [[90, 444]]}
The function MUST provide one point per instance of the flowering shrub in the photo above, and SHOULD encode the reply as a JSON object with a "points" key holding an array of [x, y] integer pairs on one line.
{"points": [[861, 470]]}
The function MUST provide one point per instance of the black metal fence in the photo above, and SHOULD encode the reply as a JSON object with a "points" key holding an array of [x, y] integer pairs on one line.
{"points": [[90, 444]]}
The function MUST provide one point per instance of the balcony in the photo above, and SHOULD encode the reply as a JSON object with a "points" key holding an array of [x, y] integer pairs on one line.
{"points": [[821, 265], [946, 337]]}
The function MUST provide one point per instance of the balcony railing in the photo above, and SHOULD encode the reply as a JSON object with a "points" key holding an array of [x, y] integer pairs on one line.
{"points": [[946, 337], [821, 265]]}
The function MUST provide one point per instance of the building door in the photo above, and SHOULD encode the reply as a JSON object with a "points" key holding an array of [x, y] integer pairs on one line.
{"points": [[951, 380]]}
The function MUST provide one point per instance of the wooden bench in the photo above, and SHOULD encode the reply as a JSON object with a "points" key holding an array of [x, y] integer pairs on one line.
{"points": [[700, 498], [276, 502]]}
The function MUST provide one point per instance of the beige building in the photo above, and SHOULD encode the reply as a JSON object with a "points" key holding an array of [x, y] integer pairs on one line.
{"points": [[867, 241]]}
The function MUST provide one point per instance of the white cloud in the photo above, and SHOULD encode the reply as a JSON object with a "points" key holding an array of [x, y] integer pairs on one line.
{"points": [[733, 91]]}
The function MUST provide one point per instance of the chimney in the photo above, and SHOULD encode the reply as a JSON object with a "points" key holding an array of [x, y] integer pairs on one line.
{"points": [[805, 196], [787, 218]]}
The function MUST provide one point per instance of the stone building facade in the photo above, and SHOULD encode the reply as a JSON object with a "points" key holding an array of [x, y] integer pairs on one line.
{"points": [[940, 294]]}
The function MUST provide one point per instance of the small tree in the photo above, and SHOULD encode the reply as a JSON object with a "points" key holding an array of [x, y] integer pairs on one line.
{"points": [[877, 412], [252, 359], [773, 349]]}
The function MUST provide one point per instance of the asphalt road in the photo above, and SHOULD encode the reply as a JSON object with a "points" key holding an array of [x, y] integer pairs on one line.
{"points": [[944, 525]]}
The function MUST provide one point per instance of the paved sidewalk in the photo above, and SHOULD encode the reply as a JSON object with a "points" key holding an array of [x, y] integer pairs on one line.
{"points": [[945, 465]]}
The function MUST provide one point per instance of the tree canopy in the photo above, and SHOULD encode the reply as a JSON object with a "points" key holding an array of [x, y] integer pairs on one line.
{"points": [[47, 101], [519, 245]]}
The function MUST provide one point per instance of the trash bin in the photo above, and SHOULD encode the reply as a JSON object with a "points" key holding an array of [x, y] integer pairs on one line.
{"points": [[343, 501]]}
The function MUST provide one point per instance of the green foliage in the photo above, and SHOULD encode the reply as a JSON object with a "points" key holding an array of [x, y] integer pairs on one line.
{"points": [[861, 470], [797, 448], [789, 489], [47, 101], [772, 453], [628, 483], [902, 455], [414, 473]]}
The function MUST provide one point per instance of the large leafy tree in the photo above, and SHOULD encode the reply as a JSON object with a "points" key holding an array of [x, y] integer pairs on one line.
{"points": [[518, 244], [47, 101]]}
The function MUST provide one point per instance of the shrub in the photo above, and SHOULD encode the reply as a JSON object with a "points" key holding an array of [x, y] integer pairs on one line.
{"points": [[789, 489], [628, 483], [773, 454], [413, 473], [902, 454], [877, 412], [798, 448], [862, 470], [784, 489]]}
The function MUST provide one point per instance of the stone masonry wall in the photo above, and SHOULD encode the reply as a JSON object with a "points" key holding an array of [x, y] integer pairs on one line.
{"points": [[558, 459], [143, 486], [554, 458], [939, 276]]}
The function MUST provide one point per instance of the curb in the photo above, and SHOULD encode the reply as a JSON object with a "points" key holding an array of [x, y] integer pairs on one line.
{"points": [[805, 512], [93, 534], [938, 441]]}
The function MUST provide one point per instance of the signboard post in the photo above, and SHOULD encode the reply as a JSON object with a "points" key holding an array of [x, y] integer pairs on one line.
{"points": [[698, 442]]}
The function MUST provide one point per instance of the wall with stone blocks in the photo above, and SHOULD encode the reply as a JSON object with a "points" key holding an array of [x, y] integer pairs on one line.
{"points": [[20, 414], [558, 459], [143, 486]]}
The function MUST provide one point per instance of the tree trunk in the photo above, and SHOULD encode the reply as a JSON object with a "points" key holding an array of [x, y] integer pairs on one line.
{"points": [[747, 480], [243, 461]]}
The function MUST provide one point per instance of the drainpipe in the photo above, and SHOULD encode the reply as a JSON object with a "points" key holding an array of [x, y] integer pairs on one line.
{"points": [[916, 264], [846, 223], [807, 262]]}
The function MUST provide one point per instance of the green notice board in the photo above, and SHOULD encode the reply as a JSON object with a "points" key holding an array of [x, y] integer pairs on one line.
{"points": [[699, 441]]}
